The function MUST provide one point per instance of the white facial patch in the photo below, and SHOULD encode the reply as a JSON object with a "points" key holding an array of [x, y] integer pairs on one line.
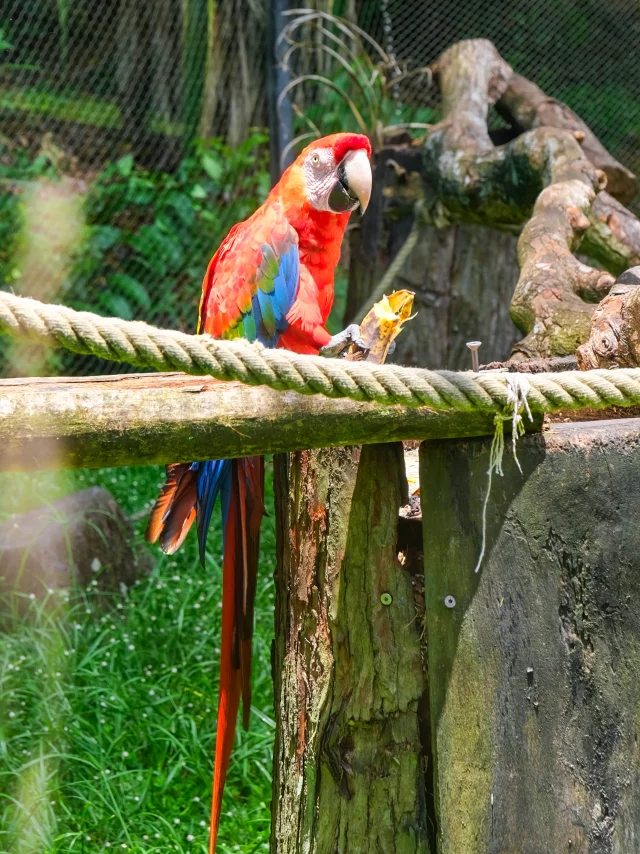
{"points": [[320, 176]]}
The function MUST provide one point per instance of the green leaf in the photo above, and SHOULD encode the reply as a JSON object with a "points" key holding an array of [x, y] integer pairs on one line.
{"points": [[103, 237], [140, 191], [198, 192], [264, 185], [115, 305], [4, 43], [212, 166], [125, 165], [131, 288], [183, 206], [174, 252]]}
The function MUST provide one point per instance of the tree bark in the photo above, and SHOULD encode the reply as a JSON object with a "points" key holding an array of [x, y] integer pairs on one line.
{"points": [[349, 772], [526, 106], [614, 237], [348, 764], [162, 418], [234, 91], [552, 309], [463, 280], [543, 168], [614, 340]]}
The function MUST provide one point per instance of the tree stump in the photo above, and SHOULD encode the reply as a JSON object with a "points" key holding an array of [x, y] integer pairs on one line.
{"points": [[349, 771], [534, 664]]}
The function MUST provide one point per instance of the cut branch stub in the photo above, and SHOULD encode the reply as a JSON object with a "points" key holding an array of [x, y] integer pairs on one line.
{"points": [[614, 237], [614, 341]]}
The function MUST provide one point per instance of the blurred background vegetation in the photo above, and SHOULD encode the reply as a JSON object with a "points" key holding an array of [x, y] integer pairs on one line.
{"points": [[132, 136]]}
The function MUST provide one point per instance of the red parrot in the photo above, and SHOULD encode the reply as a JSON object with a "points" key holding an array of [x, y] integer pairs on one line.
{"points": [[271, 280]]}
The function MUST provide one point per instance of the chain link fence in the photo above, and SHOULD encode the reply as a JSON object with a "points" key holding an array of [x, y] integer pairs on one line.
{"points": [[582, 52], [132, 135]]}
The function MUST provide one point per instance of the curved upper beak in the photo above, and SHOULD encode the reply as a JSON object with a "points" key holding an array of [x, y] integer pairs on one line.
{"points": [[358, 177], [353, 185]]}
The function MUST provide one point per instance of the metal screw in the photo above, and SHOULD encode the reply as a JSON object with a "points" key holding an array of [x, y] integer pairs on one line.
{"points": [[386, 598], [449, 601], [474, 346]]}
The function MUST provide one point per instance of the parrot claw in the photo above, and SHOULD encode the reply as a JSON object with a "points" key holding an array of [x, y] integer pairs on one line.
{"points": [[338, 343]]}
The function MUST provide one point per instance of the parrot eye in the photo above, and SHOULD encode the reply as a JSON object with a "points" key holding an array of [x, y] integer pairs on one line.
{"points": [[315, 160]]}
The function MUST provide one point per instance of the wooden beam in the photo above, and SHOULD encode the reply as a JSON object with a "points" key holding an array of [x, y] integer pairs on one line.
{"points": [[143, 419]]}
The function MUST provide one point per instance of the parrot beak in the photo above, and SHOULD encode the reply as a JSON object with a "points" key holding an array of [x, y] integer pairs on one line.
{"points": [[353, 186]]}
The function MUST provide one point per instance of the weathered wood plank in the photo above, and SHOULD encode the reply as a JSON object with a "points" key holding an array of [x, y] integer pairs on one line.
{"points": [[162, 418], [348, 764], [534, 673]]}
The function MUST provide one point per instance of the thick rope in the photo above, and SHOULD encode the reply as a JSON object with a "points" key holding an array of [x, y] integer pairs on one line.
{"points": [[145, 346]]}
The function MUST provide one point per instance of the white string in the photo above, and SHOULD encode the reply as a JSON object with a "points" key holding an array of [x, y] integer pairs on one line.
{"points": [[517, 399]]}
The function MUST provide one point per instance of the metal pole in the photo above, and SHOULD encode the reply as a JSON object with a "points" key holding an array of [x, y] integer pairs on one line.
{"points": [[280, 112]]}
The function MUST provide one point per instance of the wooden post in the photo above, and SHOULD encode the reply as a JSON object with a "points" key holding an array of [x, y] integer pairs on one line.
{"points": [[349, 773], [534, 662]]}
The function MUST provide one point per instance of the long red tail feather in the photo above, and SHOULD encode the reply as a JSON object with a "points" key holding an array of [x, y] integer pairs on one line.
{"points": [[240, 564], [170, 521]]}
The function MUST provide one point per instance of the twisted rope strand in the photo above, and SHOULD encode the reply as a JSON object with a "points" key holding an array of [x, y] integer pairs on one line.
{"points": [[146, 346]]}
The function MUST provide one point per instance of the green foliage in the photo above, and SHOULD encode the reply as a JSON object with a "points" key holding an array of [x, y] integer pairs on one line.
{"points": [[16, 169], [148, 235], [357, 86], [66, 105], [117, 704], [332, 113], [151, 235], [5, 44]]}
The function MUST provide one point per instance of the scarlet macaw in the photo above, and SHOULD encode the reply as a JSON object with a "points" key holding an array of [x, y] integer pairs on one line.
{"points": [[271, 280]]}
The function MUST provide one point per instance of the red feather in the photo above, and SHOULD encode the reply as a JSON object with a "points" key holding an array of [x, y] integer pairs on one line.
{"points": [[175, 508], [240, 564], [229, 690]]}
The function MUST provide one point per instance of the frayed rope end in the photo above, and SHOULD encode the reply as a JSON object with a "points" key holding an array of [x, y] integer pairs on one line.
{"points": [[517, 401]]}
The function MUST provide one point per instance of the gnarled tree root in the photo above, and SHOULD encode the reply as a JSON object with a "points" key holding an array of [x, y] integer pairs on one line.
{"points": [[550, 178]]}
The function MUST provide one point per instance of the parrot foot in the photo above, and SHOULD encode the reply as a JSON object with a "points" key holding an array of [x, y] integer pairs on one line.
{"points": [[338, 343]]}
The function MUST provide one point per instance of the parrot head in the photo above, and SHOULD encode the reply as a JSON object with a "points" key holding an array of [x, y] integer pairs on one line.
{"points": [[334, 173]]}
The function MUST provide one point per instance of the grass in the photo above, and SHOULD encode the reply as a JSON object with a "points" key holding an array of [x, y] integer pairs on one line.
{"points": [[74, 107], [107, 716], [84, 110]]}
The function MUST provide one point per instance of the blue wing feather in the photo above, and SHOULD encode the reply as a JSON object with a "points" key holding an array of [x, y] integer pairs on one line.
{"points": [[285, 287], [214, 478], [277, 280], [268, 316]]}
